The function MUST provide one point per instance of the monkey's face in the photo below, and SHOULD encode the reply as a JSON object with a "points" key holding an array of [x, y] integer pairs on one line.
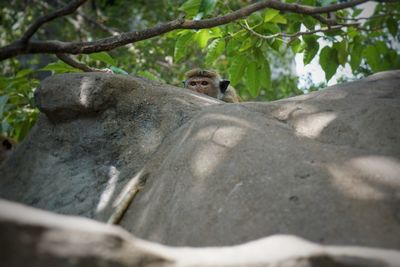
{"points": [[203, 85]]}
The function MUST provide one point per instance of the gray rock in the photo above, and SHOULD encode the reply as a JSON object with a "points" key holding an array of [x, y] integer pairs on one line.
{"points": [[29, 237], [95, 132], [323, 166]]}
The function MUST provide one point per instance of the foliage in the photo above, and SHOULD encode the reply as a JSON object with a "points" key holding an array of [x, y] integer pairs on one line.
{"points": [[256, 53], [17, 110]]}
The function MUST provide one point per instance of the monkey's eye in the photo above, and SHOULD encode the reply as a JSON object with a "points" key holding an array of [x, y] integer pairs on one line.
{"points": [[204, 83], [192, 83]]}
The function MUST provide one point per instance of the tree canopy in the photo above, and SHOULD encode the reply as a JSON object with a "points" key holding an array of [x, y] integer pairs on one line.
{"points": [[253, 43]]}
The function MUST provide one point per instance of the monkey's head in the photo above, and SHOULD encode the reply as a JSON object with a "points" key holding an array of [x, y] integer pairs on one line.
{"points": [[206, 82]]}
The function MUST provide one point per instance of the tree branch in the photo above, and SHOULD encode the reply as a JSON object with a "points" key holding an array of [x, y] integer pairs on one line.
{"points": [[68, 9], [110, 43]]}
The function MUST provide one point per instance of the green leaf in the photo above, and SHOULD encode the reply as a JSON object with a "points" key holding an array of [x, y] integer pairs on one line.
{"points": [[311, 49], [310, 40], [3, 102], [278, 19], [103, 57], [295, 45], [23, 73], [355, 56], [356, 12], [265, 74], [270, 14], [392, 26], [232, 47], [277, 44], [259, 43], [376, 34], [207, 7], [394, 59], [16, 83], [236, 70], [342, 51], [181, 45], [3, 83], [352, 32], [309, 22], [216, 32], [371, 54], [252, 80], [335, 32], [191, 7], [255, 18], [271, 27], [294, 26], [202, 37], [60, 67], [382, 47], [214, 50], [247, 44], [308, 2], [386, 63], [329, 61]]}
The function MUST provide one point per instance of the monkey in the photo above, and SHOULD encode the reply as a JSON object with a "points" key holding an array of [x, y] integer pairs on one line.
{"points": [[7, 145], [210, 83]]}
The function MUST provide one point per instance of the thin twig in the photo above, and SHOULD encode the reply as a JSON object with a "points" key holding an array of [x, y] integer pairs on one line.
{"points": [[324, 20], [330, 21], [366, 18], [93, 21], [297, 34], [294, 35], [70, 61], [99, 25]]}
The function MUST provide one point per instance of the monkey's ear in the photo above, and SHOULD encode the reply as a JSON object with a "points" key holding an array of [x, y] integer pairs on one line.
{"points": [[223, 85]]}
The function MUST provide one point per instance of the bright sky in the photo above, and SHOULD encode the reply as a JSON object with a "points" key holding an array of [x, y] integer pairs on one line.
{"points": [[314, 69]]}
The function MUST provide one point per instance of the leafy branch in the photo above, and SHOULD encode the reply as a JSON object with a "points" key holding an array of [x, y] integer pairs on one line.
{"points": [[26, 46]]}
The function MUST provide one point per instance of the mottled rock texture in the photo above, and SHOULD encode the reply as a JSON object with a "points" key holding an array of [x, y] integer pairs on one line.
{"points": [[324, 166]]}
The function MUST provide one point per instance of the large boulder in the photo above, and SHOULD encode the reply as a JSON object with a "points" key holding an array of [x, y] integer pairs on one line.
{"points": [[323, 166], [95, 132]]}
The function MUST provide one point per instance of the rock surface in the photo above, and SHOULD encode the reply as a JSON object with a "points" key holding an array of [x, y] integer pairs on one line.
{"points": [[323, 166], [29, 237], [95, 132]]}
